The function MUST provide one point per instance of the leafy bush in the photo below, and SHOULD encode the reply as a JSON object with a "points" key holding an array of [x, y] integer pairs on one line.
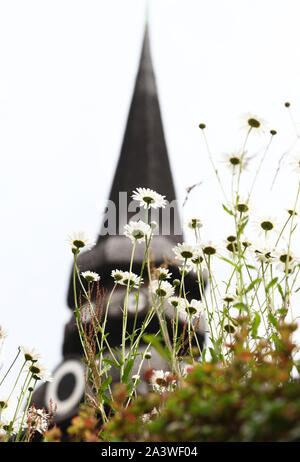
{"points": [[254, 398]]}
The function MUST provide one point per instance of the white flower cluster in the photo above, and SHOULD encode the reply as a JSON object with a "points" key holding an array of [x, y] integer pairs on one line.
{"points": [[10, 425], [11, 420], [162, 289], [34, 364], [186, 307], [162, 381], [126, 278], [193, 256], [37, 419]]}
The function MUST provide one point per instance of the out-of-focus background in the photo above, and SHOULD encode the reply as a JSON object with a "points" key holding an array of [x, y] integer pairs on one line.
{"points": [[67, 71]]}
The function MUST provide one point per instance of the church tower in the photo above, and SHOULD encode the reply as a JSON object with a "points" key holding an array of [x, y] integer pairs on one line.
{"points": [[143, 162]]}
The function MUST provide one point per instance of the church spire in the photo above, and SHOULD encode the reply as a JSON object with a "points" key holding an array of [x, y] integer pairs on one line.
{"points": [[143, 160]]}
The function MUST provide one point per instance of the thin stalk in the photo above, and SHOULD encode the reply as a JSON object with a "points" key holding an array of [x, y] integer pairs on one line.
{"points": [[213, 165], [26, 408], [260, 164], [139, 288], [11, 366], [287, 291], [125, 312]]}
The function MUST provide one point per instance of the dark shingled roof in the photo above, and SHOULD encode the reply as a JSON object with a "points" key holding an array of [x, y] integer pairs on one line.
{"points": [[144, 159]]}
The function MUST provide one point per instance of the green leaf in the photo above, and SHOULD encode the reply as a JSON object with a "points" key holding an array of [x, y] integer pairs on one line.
{"points": [[276, 340], [280, 291], [242, 227], [105, 368], [227, 210], [213, 355], [106, 399], [127, 370], [231, 262], [241, 306], [251, 286], [155, 341], [271, 284], [111, 363], [106, 383], [251, 267], [282, 311], [255, 324], [272, 320]]}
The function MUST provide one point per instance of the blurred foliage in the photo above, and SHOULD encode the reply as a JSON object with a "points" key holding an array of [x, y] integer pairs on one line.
{"points": [[254, 398]]}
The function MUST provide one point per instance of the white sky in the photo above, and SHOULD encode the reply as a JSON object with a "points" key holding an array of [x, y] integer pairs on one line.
{"points": [[67, 70]]}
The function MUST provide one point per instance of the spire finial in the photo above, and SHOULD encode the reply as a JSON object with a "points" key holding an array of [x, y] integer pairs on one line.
{"points": [[147, 12]]}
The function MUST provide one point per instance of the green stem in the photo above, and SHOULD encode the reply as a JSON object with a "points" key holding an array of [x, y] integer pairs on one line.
{"points": [[125, 313], [11, 366], [213, 165]]}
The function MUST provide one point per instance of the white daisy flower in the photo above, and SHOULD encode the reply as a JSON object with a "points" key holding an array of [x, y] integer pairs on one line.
{"points": [[209, 248], [184, 269], [231, 245], [78, 240], [246, 242], [244, 206], [176, 302], [149, 198], [265, 224], [6, 403], [40, 372], [6, 422], [137, 231], [253, 122], [153, 225], [162, 289], [118, 275], [162, 273], [184, 251], [90, 276], [194, 223], [235, 160], [229, 298], [162, 381], [148, 355], [293, 162], [131, 279], [263, 251], [286, 259], [192, 308], [197, 262], [30, 353], [293, 212]]}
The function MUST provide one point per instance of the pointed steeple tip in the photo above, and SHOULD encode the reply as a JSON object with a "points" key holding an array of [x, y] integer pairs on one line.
{"points": [[143, 160], [147, 13]]}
